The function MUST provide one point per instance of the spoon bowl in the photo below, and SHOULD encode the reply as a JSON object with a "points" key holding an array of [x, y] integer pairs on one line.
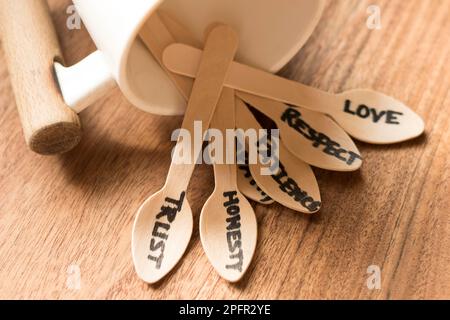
{"points": [[228, 231], [376, 118], [163, 224], [294, 185]]}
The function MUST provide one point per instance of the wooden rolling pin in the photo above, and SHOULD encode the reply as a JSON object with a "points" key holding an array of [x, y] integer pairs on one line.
{"points": [[31, 47]]}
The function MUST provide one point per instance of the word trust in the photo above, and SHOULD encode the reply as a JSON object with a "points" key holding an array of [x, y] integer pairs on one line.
{"points": [[228, 149]]}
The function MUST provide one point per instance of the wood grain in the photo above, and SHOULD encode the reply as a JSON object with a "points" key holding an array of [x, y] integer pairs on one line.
{"points": [[78, 208]]}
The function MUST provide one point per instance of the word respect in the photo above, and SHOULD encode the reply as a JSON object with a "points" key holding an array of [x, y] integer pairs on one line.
{"points": [[293, 118]]}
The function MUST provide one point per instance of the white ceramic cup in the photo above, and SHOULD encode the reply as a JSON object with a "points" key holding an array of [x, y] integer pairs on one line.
{"points": [[271, 33]]}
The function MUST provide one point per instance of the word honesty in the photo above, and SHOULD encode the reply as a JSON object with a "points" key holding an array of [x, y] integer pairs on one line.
{"points": [[234, 235], [293, 118], [160, 235], [364, 112]]}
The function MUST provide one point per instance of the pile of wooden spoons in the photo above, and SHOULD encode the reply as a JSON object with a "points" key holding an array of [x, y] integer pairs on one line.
{"points": [[315, 129]]}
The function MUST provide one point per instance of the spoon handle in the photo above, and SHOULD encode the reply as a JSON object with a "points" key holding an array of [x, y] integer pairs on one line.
{"points": [[156, 37], [31, 47], [220, 48], [251, 80], [225, 173]]}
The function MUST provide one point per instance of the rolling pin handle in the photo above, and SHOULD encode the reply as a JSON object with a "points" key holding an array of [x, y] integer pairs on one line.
{"points": [[31, 48]]}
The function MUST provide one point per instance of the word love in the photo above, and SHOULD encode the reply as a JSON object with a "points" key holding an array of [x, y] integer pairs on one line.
{"points": [[160, 234], [364, 112], [293, 118], [234, 235]]}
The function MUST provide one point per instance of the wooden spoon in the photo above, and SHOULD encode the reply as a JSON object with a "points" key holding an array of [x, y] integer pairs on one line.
{"points": [[163, 225], [310, 136], [365, 114], [323, 144], [156, 35], [294, 185], [228, 227]]}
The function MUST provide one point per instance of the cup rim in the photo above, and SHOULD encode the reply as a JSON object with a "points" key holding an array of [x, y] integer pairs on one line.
{"points": [[122, 75]]}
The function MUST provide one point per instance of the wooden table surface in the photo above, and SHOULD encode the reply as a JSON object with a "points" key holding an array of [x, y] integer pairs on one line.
{"points": [[58, 214]]}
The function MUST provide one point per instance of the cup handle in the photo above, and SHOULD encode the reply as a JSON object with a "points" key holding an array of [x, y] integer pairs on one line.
{"points": [[85, 82]]}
